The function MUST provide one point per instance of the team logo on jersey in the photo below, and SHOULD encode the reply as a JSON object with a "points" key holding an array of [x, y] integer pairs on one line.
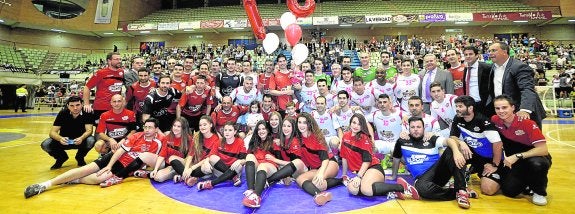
{"points": [[116, 87], [417, 159], [476, 129], [472, 142], [194, 108], [121, 73], [535, 126], [235, 78], [519, 132], [125, 118], [117, 133]]}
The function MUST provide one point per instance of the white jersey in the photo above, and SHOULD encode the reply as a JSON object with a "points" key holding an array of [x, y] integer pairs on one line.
{"points": [[387, 128], [342, 119], [244, 98], [430, 125], [252, 74], [366, 100], [404, 88], [325, 123], [341, 85], [383, 89], [330, 100], [444, 110], [308, 95]]}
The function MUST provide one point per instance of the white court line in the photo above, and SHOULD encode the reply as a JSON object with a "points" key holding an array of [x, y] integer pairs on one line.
{"points": [[18, 145], [547, 134]]}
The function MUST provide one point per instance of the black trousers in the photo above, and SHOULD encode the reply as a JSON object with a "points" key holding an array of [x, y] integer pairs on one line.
{"points": [[57, 150], [431, 184], [530, 172], [20, 103]]}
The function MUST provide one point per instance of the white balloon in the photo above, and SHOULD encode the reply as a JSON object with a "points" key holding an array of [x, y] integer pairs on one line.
{"points": [[271, 42], [299, 53], [286, 19]]}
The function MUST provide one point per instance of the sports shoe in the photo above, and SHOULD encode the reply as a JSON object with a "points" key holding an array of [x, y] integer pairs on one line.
{"points": [[81, 161], [252, 200], [386, 162], [413, 192], [463, 199], [322, 198], [345, 180], [111, 181], [191, 181], [140, 173], [205, 185], [58, 163], [237, 180], [472, 193], [248, 192], [33, 190], [539, 199], [177, 179], [405, 186]]}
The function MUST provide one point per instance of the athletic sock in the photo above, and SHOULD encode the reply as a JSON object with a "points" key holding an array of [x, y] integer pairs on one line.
{"points": [[177, 166], [260, 182], [197, 173], [382, 188], [308, 187], [333, 182], [228, 174], [47, 184], [221, 166], [250, 174], [284, 172]]}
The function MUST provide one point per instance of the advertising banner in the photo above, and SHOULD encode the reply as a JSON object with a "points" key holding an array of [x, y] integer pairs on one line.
{"points": [[378, 19]]}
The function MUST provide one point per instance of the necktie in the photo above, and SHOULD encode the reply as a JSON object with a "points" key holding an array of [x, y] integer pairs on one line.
{"points": [[427, 84], [466, 83]]}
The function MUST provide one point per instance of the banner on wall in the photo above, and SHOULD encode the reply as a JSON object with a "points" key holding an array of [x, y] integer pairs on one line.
{"points": [[432, 17], [328, 20], [104, 12], [238, 23], [189, 25], [405, 18], [143, 26], [306, 21], [512, 16], [271, 22], [212, 24], [379, 19], [459, 17], [351, 20], [168, 26]]}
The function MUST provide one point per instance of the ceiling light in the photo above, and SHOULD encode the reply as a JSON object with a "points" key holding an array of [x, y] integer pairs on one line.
{"points": [[461, 23], [145, 31], [1, 20], [402, 24], [345, 25], [521, 21], [188, 30], [571, 20], [58, 30], [108, 33], [238, 28]]}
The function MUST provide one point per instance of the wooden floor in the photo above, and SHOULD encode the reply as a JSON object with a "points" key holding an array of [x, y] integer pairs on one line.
{"points": [[22, 162]]}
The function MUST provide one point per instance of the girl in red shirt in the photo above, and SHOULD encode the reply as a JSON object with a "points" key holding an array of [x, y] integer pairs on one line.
{"points": [[204, 144], [177, 143], [229, 158], [290, 150], [314, 153], [357, 155], [260, 146]]}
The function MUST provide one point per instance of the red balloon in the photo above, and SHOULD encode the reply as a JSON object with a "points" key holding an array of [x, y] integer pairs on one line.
{"points": [[251, 9], [301, 11], [293, 34]]}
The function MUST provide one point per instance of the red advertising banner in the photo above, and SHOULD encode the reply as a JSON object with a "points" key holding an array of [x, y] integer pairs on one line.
{"points": [[212, 24], [512, 16], [270, 22]]}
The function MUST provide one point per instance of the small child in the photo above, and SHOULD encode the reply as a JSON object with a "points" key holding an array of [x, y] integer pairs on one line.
{"points": [[291, 110], [253, 117]]}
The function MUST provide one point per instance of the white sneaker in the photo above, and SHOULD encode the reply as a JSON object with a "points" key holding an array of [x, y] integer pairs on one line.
{"points": [[539, 199]]}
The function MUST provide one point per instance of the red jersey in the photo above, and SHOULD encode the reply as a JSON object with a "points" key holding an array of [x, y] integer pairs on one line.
{"points": [[264, 82], [186, 76], [520, 136], [139, 93], [281, 82], [268, 113], [194, 104], [209, 146], [352, 150], [220, 117], [210, 81], [136, 144], [310, 152], [232, 152], [108, 83], [180, 86], [172, 147], [117, 126], [293, 151], [457, 74], [261, 156]]}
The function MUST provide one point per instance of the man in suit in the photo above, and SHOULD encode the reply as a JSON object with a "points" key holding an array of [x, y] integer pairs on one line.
{"points": [[475, 78], [433, 74], [514, 78]]}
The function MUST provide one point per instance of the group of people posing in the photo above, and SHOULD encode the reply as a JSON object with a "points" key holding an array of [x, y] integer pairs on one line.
{"points": [[305, 124]]}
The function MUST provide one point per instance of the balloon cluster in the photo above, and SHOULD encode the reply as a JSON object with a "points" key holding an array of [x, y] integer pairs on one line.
{"points": [[288, 22]]}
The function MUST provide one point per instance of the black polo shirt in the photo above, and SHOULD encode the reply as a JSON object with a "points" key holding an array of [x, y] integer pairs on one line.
{"points": [[73, 127]]}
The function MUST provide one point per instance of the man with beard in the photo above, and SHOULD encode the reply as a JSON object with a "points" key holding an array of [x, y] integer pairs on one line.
{"points": [[478, 144], [137, 92], [264, 78], [346, 82], [280, 85], [188, 68], [226, 112], [416, 110], [158, 101], [387, 124], [381, 86], [156, 71], [196, 103], [227, 81], [443, 105], [390, 71], [108, 81]]}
